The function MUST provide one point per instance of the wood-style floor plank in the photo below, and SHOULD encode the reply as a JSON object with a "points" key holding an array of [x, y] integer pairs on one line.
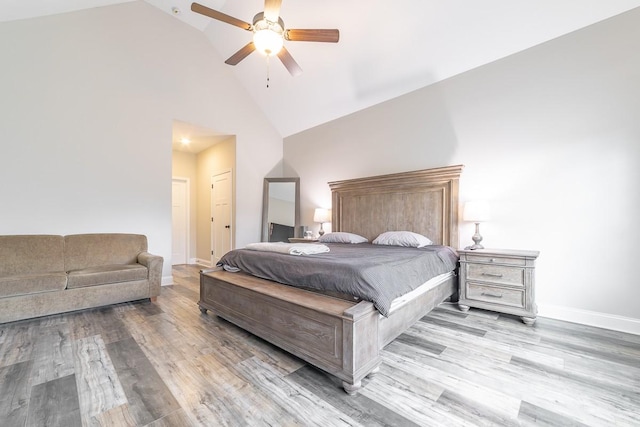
{"points": [[15, 391], [231, 396], [532, 415], [147, 395], [178, 418], [450, 375], [119, 416], [55, 403], [52, 353], [98, 383], [96, 321], [293, 402], [18, 342], [473, 412], [167, 364], [358, 407]]}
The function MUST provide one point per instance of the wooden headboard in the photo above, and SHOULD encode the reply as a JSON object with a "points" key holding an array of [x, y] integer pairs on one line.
{"points": [[424, 201]]}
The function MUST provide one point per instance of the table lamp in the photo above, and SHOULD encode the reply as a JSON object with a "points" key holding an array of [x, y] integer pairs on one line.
{"points": [[476, 211], [322, 215]]}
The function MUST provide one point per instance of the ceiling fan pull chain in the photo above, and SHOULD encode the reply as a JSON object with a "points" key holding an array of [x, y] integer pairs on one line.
{"points": [[267, 71]]}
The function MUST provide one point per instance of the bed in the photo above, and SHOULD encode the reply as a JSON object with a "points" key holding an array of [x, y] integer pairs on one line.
{"points": [[341, 335]]}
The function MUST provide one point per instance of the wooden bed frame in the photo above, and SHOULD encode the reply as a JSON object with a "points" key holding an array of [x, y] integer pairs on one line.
{"points": [[343, 337]]}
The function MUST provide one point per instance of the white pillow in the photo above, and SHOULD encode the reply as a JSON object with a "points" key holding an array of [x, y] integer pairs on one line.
{"points": [[402, 238], [342, 237]]}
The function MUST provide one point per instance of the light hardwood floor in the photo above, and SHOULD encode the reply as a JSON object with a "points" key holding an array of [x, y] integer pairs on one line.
{"points": [[166, 364]]}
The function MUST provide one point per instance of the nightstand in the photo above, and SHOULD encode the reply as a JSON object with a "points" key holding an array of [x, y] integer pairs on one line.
{"points": [[500, 280], [301, 240]]}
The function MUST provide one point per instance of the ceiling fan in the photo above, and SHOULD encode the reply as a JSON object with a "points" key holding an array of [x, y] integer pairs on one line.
{"points": [[269, 34]]}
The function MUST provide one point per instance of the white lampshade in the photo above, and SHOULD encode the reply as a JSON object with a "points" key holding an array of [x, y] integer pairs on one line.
{"points": [[476, 211], [322, 215]]}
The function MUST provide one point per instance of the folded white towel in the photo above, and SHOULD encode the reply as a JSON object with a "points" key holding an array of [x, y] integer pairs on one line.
{"points": [[308, 249], [289, 248]]}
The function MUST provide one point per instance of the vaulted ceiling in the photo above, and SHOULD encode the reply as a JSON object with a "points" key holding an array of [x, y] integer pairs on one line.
{"points": [[386, 48]]}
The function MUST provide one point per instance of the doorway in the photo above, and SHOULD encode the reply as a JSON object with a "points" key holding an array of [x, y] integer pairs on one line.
{"points": [[198, 154], [180, 221]]}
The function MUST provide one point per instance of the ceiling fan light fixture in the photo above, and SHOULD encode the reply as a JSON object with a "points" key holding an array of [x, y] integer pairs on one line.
{"points": [[268, 42], [268, 37]]}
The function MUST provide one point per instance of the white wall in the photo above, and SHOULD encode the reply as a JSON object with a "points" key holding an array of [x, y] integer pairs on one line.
{"points": [[87, 102], [550, 136]]}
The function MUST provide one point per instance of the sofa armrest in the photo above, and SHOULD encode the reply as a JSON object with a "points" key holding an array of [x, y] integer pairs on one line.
{"points": [[154, 265]]}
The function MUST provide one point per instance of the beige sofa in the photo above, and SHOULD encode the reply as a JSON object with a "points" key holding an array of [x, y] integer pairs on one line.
{"points": [[48, 274]]}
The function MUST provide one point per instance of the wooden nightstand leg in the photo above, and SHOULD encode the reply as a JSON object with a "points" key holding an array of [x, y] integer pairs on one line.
{"points": [[529, 321], [463, 308], [351, 389]]}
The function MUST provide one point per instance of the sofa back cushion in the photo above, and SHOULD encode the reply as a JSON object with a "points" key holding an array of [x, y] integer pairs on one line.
{"points": [[90, 250], [31, 254]]}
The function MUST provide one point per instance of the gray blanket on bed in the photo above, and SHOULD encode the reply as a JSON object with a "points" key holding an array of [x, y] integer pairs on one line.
{"points": [[371, 272]]}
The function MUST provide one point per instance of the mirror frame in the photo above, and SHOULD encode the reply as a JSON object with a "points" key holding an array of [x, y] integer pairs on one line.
{"points": [[265, 206]]}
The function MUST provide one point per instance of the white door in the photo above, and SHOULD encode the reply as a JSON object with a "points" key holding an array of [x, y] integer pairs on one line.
{"points": [[221, 215], [180, 221]]}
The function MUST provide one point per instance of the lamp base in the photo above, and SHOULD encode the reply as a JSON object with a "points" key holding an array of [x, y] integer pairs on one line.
{"points": [[321, 231], [477, 238]]}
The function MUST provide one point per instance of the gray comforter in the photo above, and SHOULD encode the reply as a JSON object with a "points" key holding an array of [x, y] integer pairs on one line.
{"points": [[371, 272]]}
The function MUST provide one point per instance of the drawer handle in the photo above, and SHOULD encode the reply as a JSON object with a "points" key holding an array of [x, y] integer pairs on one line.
{"points": [[492, 275], [488, 294]]}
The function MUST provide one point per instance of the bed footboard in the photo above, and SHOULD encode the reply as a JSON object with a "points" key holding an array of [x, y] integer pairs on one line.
{"points": [[337, 336]]}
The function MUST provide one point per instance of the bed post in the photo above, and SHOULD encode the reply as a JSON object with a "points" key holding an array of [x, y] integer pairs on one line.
{"points": [[360, 323]]}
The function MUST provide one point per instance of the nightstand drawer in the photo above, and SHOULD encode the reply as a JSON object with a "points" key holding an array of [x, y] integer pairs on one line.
{"points": [[496, 274], [496, 295], [487, 259]]}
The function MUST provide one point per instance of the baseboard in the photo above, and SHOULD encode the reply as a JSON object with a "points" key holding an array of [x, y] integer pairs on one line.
{"points": [[591, 318], [166, 280], [203, 262], [193, 260]]}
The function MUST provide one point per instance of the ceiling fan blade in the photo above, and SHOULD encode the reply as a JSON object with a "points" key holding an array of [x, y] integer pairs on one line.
{"points": [[204, 10], [241, 54], [272, 9], [289, 62], [330, 36]]}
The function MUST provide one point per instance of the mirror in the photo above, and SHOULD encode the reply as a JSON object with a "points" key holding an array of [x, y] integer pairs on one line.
{"points": [[280, 209]]}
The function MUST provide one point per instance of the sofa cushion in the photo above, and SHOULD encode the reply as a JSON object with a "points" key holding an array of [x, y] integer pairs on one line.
{"points": [[32, 283], [101, 275], [31, 254], [90, 250]]}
